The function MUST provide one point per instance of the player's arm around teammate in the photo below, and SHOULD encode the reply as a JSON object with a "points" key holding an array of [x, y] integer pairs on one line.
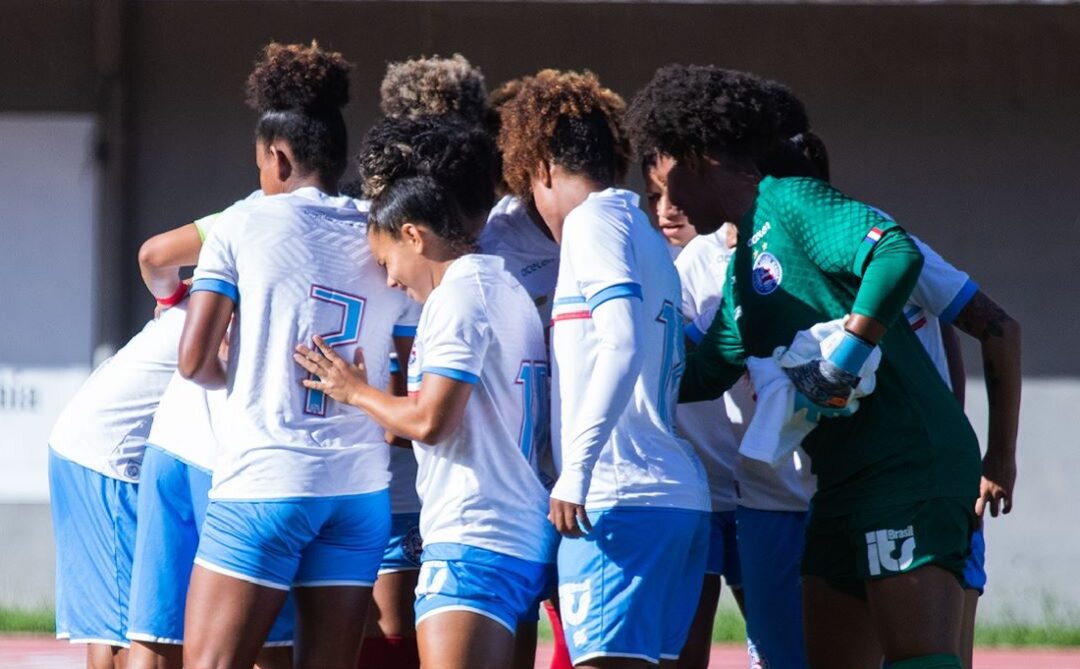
{"points": [[475, 412]]}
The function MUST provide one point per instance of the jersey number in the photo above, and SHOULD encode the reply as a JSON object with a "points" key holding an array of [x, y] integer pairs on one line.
{"points": [[348, 332], [671, 364], [533, 379]]}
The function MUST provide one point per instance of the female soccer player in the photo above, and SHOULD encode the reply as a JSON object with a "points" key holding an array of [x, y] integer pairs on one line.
{"points": [[174, 484], [95, 457], [475, 411], [299, 490], [617, 353], [891, 522], [715, 427], [463, 159]]}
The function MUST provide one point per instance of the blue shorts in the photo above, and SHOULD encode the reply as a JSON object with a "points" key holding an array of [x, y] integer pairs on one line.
{"points": [[723, 548], [93, 519], [403, 551], [630, 587], [172, 506], [771, 548], [455, 577], [975, 567], [301, 542]]}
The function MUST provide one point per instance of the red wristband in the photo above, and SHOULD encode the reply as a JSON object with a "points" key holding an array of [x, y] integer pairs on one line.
{"points": [[179, 294]]}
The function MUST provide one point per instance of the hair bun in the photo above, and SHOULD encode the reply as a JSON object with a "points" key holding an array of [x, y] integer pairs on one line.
{"points": [[295, 76]]}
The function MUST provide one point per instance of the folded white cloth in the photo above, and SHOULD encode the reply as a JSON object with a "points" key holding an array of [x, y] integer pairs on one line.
{"points": [[777, 428]]}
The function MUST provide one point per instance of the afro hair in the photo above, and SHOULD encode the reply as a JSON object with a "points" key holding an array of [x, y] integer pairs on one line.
{"points": [[435, 86], [298, 77], [568, 119]]}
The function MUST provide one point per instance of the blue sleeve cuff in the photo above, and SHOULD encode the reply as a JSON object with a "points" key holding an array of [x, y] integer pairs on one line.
{"points": [[613, 292], [404, 331], [218, 286], [693, 333], [959, 302], [454, 374], [394, 366]]}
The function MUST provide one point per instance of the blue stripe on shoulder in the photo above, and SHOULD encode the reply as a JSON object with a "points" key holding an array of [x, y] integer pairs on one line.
{"points": [[693, 333], [959, 302], [613, 292], [455, 374], [219, 286]]}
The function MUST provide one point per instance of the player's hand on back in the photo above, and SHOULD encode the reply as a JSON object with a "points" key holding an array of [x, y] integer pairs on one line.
{"points": [[334, 376]]}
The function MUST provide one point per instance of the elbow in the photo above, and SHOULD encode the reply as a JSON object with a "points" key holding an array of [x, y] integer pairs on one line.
{"points": [[189, 361], [150, 254], [430, 432], [1011, 330]]}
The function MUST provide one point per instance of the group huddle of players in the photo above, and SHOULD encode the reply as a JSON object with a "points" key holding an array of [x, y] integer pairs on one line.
{"points": [[392, 417]]}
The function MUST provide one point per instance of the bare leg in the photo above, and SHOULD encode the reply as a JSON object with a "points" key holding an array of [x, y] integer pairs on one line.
{"points": [[147, 655], [464, 640], [275, 657], [524, 647], [104, 656], [226, 620], [391, 611], [621, 663], [839, 632], [917, 613], [967, 633], [695, 652], [329, 625]]}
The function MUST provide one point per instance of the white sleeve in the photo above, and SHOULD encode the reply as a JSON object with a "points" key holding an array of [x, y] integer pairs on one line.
{"points": [[602, 256], [455, 339], [941, 289], [216, 271], [619, 325], [702, 286], [205, 224]]}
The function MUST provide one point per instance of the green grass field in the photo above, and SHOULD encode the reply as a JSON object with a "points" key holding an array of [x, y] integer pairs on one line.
{"points": [[728, 628]]}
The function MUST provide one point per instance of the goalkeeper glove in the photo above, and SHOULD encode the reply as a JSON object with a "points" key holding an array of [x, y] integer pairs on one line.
{"points": [[829, 382]]}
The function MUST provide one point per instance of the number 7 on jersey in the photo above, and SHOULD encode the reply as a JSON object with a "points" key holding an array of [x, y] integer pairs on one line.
{"points": [[348, 332]]}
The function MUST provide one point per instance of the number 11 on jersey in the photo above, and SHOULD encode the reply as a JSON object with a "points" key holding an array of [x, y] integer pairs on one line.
{"points": [[348, 332], [533, 379]]}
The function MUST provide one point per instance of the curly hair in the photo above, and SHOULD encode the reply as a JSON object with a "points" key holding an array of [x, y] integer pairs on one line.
{"points": [[689, 111], [299, 91], [434, 86], [795, 150], [460, 157], [568, 119]]}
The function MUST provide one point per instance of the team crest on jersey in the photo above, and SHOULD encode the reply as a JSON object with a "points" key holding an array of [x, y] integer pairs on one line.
{"points": [[767, 274], [412, 545]]}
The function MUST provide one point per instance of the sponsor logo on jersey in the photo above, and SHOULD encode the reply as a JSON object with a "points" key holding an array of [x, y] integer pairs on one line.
{"points": [[767, 274], [890, 550], [760, 234]]}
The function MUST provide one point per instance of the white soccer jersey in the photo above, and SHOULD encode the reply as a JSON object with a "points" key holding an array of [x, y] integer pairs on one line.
{"points": [[480, 486], [940, 294], [297, 265], [184, 422], [530, 255], [610, 251], [105, 425], [702, 265]]}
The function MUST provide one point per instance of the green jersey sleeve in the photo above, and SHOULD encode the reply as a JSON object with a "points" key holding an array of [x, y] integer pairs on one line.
{"points": [[843, 236], [718, 362]]}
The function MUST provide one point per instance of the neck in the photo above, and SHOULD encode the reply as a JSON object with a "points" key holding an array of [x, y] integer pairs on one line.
{"points": [[296, 182], [570, 191]]}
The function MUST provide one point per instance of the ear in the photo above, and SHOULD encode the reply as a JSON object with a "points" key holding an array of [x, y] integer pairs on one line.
{"points": [[543, 173], [412, 235], [282, 162]]}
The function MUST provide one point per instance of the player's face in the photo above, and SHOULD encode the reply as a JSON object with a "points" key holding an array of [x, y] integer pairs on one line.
{"points": [[673, 223], [690, 189], [547, 204], [403, 260]]}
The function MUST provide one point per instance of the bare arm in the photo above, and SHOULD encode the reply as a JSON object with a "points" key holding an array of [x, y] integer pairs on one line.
{"points": [[162, 256], [955, 362], [398, 384], [999, 336], [428, 417], [207, 321]]}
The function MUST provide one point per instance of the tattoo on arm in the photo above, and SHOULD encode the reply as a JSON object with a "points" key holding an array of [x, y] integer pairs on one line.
{"points": [[982, 318]]}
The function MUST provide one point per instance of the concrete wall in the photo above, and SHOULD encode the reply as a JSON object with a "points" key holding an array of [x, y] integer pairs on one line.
{"points": [[958, 120]]}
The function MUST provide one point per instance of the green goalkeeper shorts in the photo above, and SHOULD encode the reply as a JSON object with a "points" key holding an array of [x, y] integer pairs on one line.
{"points": [[878, 543]]}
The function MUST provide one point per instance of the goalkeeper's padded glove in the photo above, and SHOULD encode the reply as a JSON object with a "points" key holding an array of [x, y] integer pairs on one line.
{"points": [[829, 382]]}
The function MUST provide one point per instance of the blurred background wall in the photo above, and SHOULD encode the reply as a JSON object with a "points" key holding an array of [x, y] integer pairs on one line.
{"points": [[958, 119]]}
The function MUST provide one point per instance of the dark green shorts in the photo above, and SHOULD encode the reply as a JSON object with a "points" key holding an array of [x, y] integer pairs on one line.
{"points": [[877, 543]]}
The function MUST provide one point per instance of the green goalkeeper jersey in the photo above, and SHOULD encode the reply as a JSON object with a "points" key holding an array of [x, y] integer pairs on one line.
{"points": [[809, 254]]}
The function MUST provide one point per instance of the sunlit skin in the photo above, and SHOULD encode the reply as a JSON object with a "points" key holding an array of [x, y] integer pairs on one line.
{"points": [[670, 220]]}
